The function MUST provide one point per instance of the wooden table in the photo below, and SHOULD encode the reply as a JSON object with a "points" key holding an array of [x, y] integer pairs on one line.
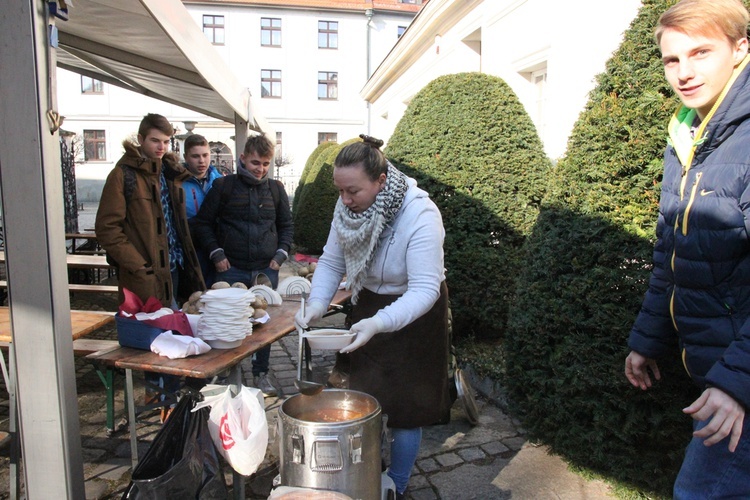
{"points": [[84, 261], [80, 261], [87, 237], [83, 322], [205, 365]]}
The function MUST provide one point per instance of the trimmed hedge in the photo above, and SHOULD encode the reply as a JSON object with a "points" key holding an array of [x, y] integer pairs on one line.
{"points": [[469, 142], [308, 167], [313, 207], [588, 262]]}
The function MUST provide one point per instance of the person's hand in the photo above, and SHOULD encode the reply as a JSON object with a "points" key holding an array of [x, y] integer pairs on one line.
{"points": [[222, 265], [274, 265], [313, 312], [365, 330], [636, 370], [726, 414]]}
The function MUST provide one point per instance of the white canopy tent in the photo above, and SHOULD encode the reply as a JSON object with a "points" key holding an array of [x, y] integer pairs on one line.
{"points": [[148, 46], [152, 47]]}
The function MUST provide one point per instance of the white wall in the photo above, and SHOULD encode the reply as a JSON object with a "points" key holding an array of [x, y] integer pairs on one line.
{"points": [[572, 40], [118, 112]]}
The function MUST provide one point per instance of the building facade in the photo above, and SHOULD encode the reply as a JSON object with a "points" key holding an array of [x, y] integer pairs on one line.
{"points": [[304, 62], [548, 51]]}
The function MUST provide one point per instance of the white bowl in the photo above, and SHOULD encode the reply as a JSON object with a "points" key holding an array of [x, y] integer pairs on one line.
{"points": [[223, 344], [329, 338], [293, 285], [233, 295]]}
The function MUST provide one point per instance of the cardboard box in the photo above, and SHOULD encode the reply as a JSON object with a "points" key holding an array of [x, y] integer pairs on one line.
{"points": [[135, 334]]}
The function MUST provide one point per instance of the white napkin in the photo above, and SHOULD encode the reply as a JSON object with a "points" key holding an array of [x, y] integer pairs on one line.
{"points": [[263, 319], [141, 316], [178, 346]]}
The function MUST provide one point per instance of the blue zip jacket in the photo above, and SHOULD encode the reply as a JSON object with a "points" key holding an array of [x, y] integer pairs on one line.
{"points": [[699, 290], [195, 192]]}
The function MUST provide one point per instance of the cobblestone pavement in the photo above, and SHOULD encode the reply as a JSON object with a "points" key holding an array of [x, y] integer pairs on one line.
{"points": [[491, 460]]}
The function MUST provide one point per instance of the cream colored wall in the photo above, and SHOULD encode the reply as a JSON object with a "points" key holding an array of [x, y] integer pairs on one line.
{"points": [[572, 39]]}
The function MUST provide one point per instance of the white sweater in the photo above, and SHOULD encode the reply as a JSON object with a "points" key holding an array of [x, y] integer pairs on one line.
{"points": [[408, 262]]}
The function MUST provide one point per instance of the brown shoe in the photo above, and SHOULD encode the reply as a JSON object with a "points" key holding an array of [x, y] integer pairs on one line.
{"points": [[151, 398], [166, 412]]}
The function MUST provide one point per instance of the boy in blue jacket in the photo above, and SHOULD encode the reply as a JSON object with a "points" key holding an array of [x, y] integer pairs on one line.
{"points": [[699, 291], [197, 156]]}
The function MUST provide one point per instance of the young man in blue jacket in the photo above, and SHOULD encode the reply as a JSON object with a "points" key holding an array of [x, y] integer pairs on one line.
{"points": [[197, 156], [699, 291]]}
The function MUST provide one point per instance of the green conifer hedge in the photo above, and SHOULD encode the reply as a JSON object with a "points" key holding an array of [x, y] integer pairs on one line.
{"points": [[313, 206], [588, 262], [309, 166], [471, 145]]}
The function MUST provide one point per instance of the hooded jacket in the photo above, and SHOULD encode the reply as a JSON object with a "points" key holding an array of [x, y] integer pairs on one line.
{"points": [[699, 290], [195, 191], [250, 228], [132, 230]]}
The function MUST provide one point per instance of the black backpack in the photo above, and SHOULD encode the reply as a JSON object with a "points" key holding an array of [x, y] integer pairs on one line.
{"points": [[128, 188]]}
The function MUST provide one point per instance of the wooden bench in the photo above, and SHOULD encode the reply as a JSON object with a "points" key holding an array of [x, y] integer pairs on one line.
{"points": [[85, 347], [82, 288]]}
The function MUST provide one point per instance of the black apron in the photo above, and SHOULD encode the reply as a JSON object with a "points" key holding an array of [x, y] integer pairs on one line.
{"points": [[405, 370]]}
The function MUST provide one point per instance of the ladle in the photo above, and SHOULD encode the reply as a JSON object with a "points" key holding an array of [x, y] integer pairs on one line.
{"points": [[305, 387]]}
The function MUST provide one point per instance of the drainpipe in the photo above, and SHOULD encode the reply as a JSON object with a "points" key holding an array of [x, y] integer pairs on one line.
{"points": [[369, 14]]}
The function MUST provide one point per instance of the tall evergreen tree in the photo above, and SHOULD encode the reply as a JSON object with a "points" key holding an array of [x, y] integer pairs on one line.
{"points": [[470, 144]]}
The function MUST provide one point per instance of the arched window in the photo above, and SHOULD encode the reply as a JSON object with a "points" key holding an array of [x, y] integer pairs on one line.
{"points": [[221, 157]]}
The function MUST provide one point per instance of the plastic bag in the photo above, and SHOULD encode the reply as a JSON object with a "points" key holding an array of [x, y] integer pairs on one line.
{"points": [[237, 425], [181, 462]]}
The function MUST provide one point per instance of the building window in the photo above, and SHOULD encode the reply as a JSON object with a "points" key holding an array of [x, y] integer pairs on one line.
{"points": [[413, 2], [328, 85], [91, 86], [278, 145], [327, 137], [213, 28], [94, 145], [270, 32], [270, 83], [539, 82], [328, 35], [401, 30]]}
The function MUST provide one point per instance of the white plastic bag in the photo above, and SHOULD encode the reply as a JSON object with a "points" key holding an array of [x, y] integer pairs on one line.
{"points": [[237, 425]]}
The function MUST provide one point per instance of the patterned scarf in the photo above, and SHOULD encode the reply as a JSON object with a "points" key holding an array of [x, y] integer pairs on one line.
{"points": [[175, 246], [359, 233]]}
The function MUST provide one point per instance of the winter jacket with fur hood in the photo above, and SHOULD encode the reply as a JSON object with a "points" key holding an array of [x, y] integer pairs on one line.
{"points": [[133, 233]]}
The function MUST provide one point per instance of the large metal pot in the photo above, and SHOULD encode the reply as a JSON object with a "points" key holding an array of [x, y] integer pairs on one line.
{"points": [[331, 441]]}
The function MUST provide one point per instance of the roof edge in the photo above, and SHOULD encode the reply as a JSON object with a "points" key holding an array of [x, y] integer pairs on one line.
{"points": [[436, 17]]}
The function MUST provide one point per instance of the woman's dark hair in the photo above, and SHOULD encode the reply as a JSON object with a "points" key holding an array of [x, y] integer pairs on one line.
{"points": [[366, 152]]}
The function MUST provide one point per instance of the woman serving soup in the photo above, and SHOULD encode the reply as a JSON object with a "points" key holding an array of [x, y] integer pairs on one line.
{"points": [[387, 238]]}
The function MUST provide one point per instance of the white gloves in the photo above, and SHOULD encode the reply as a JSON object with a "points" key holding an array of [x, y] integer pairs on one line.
{"points": [[365, 330], [313, 312]]}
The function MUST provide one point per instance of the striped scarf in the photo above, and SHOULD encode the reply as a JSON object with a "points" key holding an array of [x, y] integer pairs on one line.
{"points": [[359, 232]]}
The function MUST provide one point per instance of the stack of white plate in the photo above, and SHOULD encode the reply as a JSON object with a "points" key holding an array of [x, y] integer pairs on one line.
{"points": [[225, 317]]}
